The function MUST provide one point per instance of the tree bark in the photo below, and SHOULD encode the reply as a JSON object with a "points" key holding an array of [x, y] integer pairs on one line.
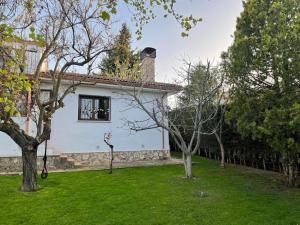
{"points": [[199, 151], [280, 167], [187, 158], [233, 156], [292, 174], [29, 157], [221, 150], [289, 164], [264, 163]]}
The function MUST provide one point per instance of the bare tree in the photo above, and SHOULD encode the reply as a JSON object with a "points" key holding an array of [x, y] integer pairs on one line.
{"points": [[198, 105]]}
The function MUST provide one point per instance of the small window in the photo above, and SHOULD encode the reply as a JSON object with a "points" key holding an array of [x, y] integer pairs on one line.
{"points": [[45, 95], [94, 108]]}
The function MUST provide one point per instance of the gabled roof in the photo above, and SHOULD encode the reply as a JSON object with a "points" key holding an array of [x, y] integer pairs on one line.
{"points": [[96, 79]]}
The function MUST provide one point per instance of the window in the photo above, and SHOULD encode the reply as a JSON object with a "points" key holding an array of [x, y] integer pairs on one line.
{"points": [[94, 108], [31, 60], [45, 95]]}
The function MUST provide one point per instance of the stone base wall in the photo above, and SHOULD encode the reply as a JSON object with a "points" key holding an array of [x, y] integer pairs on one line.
{"points": [[98, 158], [78, 160], [14, 164]]}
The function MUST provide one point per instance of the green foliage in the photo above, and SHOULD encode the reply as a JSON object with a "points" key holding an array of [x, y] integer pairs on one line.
{"points": [[12, 87], [105, 15], [263, 66], [153, 195], [282, 124], [13, 82], [121, 59], [200, 81]]}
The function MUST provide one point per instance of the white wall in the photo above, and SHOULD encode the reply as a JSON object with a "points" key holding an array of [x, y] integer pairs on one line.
{"points": [[71, 135], [7, 146]]}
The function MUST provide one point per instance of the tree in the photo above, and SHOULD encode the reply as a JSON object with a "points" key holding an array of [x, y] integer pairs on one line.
{"points": [[263, 67], [71, 34], [212, 125], [219, 123], [186, 123], [121, 57]]}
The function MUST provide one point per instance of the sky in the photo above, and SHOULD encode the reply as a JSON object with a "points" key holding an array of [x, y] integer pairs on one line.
{"points": [[205, 42]]}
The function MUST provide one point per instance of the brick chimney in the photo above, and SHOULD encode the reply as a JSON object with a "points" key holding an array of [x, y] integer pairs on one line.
{"points": [[148, 56]]}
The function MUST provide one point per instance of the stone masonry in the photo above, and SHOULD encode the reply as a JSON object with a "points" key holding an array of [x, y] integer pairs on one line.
{"points": [[82, 160]]}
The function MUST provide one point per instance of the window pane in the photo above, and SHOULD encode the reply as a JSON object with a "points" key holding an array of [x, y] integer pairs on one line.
{"points": [[106, 108], [45, 95], [94, 108], [97, 109], [86, 111], [102, 106]]}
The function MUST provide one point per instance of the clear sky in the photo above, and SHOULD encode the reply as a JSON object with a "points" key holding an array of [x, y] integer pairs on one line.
{"points": [[212, 36]]}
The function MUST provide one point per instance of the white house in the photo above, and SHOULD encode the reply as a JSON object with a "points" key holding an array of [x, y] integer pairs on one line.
{"points": [[98, 106]]}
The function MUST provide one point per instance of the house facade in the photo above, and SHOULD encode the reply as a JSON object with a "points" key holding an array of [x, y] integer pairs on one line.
{"points": [[100, 105]]}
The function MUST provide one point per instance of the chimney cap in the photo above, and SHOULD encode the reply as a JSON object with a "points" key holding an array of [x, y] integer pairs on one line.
{"points": [[148, 52]]}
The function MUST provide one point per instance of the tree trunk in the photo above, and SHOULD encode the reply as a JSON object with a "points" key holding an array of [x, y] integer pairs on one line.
{"points": [[292, 176], [199, 151], [241, 158], [29, 157], [280, 167], [252, 161], [221, 150], [234, 161], [273, 164], [264, 164], [187, 158], [290, 169]]}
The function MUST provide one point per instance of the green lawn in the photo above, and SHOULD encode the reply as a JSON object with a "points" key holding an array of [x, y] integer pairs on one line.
{"points": [[153, 195]]}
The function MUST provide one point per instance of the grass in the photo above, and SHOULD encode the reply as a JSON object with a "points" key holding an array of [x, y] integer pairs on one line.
{"points": [[153, 196]]}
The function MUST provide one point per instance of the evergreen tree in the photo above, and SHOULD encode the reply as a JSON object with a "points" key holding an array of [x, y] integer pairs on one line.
{"points": [[264, 71], [121, 57]]}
